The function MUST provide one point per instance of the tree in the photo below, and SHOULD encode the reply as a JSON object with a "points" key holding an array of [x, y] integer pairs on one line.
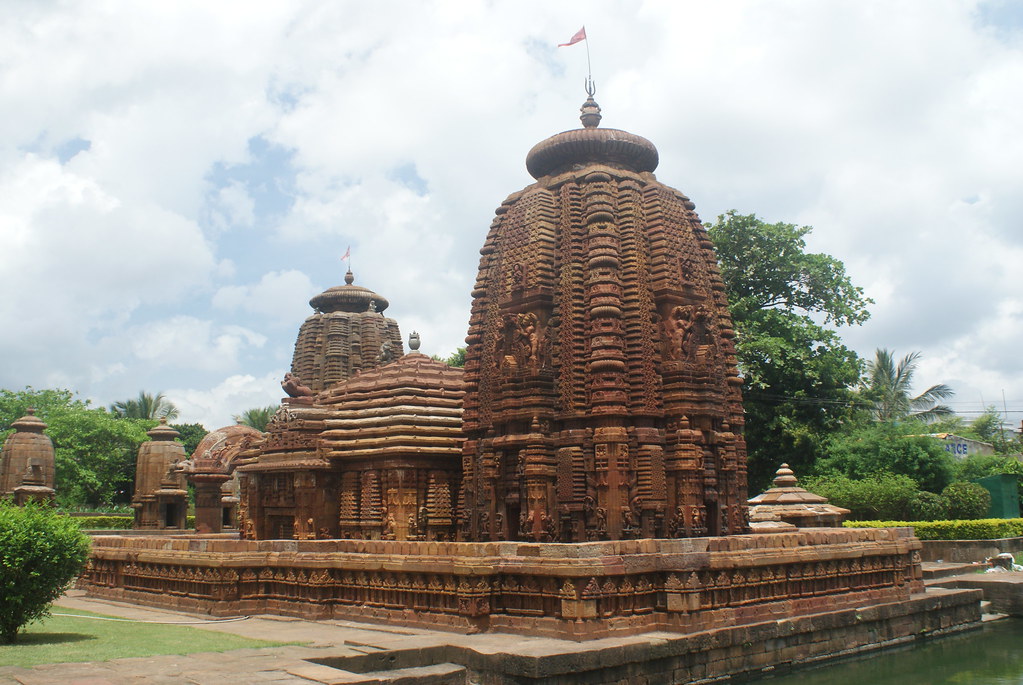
{"points": [[798, 376], [456, 358], [40, 553], [899, 449], [145, 406], [257, 417], [888, 386], [191, 434], [95, 455]]}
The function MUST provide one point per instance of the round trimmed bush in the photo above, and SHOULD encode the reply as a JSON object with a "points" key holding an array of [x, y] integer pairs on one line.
{"points": [[967, 500], [41, 552], [928, 506]]}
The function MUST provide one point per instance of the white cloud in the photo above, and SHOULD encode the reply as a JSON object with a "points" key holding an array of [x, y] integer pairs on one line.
{"points": [[893, 129], [216, 406], [278, 295]]}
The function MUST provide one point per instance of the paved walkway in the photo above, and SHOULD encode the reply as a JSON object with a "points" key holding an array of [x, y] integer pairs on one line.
{"points": [[286, 665]]}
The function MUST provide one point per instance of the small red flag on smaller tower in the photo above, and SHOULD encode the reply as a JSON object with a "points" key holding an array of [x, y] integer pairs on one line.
{"points": [[347, 254], [579, 36]]}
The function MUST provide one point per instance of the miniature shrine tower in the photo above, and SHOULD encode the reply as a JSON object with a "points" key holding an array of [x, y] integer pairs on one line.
{"points": [[160, 495], [347, 333], [27, 468], [602, 396]]}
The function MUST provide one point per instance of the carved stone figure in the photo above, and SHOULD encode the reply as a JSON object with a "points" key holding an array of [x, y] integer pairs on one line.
{"points": [[292, 385]]}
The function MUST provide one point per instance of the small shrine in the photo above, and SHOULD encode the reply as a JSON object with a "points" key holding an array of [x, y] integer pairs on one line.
{"points": [[27, 467], [160, 499], [787, 506], [212, 472]]}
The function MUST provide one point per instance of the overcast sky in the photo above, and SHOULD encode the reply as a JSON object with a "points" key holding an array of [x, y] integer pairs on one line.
{"points": [[177, 179]]}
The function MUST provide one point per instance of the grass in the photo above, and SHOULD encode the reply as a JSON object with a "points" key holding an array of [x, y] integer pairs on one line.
{"points": [[66, 639]]}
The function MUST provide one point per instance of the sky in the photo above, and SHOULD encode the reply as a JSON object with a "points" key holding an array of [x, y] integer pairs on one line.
{"points": [[178, 179]]}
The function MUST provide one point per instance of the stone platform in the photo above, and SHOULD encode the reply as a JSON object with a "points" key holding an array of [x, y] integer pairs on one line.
{"points": [[570, 591]]}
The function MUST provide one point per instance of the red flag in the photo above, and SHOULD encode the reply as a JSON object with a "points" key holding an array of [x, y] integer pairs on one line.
{"points": [[579, 36], [347, 254]]}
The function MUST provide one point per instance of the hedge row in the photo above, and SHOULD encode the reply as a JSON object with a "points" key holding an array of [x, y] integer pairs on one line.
{"points": [[978, 529], [115, 522]]}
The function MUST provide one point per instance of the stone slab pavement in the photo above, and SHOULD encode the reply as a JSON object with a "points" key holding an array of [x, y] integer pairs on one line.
{"points": [[287, 665]]}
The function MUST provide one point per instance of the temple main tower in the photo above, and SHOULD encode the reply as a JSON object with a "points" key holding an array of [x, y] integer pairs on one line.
{"points": [[602, 396], [347, 333]]}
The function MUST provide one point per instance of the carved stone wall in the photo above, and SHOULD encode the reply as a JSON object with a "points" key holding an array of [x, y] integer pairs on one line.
{"points": [[602, 395], [581, 591], [375, 457]]}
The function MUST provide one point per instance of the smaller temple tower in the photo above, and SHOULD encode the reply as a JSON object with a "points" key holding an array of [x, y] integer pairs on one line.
{"points": [[160, 494], [348, 333], [27, 462]]}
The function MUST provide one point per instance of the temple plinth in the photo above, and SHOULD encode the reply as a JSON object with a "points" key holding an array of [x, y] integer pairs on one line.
{"points": [[602, 396]]}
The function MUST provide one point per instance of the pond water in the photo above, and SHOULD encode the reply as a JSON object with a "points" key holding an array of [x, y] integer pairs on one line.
{"points": [[992, 655]]}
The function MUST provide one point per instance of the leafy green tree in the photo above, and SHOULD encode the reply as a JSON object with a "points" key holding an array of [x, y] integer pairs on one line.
{"points": [[15, 403], [888, 386], [41, 552], [798, 376], [145, 406], [889, 448], [191, 435], [257, 417], [456, 358], [94, 451], [95, 456]]}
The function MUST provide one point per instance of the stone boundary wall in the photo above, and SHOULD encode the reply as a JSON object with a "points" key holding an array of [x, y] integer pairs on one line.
{"points": [[575, 591], [966, 551]]}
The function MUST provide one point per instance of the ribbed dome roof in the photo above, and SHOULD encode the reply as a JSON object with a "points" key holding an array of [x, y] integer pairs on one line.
{"points": [[591, 145], [348, 298]]}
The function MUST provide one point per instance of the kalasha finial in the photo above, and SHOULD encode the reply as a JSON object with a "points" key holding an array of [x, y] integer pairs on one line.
{"points": [[349, 277], [590, 110], [413, 341]]}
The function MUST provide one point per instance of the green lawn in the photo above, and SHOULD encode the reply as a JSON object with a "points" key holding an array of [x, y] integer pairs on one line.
{"points": [[64, 639]]}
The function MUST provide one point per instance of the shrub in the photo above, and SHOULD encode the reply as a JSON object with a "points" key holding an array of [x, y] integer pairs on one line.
{"points": [[41, 552], [104, 522], [967, 500], [881, 496], [928, 506], [980, 529]]}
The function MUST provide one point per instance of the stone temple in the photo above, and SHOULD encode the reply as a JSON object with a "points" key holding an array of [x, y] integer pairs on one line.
{"points": [[584, 477], [602, 397]]}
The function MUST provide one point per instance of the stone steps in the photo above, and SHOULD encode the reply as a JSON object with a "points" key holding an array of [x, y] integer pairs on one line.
{"points": [[434, 674]]}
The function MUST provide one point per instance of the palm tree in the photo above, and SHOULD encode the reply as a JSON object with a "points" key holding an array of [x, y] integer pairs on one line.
{"points": [[145, 406], [888, 386], [257, 417]]}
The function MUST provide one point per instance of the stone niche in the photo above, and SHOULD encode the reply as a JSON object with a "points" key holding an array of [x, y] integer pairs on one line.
{"points": [[602, 397]]}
